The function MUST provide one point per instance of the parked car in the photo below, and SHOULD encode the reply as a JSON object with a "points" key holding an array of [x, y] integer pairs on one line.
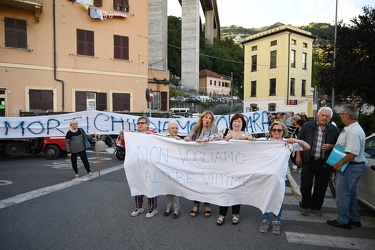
{"points": [[366, 184]]}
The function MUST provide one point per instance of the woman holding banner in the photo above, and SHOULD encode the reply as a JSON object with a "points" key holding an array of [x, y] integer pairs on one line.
{"points": [[236, 131], [143, 124], [278, 131], [75, 146], [201, 132]]}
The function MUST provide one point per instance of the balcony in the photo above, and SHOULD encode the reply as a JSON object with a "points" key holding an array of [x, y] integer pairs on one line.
{"points": [[32, 5]]}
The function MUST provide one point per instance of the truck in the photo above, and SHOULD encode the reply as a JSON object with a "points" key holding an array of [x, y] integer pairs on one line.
{"points": [[51, 147]]}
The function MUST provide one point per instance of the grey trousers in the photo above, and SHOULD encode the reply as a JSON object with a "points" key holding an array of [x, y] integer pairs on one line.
{"points": [[173, 200]]}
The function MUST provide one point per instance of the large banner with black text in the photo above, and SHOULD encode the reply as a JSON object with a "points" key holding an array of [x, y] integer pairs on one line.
{"points": [[100, 122], [219, 172]]}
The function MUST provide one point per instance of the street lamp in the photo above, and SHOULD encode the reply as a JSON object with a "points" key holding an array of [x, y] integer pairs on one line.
{"points": [[334, 61]]}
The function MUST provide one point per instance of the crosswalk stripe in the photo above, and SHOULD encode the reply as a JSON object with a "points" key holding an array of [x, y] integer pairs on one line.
{"points": [[293, 215], [329, 241], [43, 191]]}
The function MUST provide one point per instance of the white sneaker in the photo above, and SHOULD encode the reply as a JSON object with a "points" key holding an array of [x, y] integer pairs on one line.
{"points": [[137, 211], [152, 214], [294, 167]]}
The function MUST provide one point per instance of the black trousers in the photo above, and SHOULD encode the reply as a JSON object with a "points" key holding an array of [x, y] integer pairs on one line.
{"points": [[224, 210], [314, 200], [84, 159]]}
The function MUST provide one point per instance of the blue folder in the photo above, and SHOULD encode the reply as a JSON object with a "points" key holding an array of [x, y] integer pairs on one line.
{"points": [[336, 155]]}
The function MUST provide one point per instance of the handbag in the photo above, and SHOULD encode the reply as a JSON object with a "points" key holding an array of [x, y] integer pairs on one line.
{"points": [[85, 140]]}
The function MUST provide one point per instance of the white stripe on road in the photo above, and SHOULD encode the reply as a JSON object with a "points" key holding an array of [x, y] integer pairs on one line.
{"points": [[329, 241], [293, 215], [47, 190]]}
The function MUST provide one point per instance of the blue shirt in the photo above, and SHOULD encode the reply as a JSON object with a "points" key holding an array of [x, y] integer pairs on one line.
{"points": [[353, 139]]}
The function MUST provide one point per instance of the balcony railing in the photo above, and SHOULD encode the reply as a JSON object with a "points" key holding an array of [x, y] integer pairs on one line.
{"points": [[33, 5]]}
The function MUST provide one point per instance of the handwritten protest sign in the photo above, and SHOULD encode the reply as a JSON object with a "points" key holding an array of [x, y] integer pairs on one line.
{"points": [[100, 122], [218, 172]]}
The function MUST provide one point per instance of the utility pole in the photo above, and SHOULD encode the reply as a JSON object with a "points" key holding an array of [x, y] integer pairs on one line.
{"points": [[231, 92], [334, 61]]}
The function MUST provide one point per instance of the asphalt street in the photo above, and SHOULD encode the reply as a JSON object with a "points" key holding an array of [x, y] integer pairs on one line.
{"points": [[42, 207]]}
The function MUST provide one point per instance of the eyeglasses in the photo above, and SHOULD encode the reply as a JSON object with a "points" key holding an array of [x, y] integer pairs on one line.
{"points": [[342, 114], [74, 123], [141, 123], [277, 130]]}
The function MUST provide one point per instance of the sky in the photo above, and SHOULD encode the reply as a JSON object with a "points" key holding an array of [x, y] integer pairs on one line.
{"points": [[256, 14]]}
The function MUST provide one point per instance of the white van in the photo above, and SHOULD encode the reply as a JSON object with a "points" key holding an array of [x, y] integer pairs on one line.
{"points": [[181, 111]]}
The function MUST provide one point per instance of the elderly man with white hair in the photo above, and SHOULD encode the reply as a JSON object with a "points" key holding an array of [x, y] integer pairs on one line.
{"points": [[173, 199]]}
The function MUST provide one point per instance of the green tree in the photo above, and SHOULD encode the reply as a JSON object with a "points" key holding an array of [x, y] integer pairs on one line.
{"points": [[174, 45], [354, 72]]}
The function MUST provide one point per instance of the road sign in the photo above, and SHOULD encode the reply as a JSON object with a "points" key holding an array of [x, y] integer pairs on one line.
{"points": [[151, 95]]}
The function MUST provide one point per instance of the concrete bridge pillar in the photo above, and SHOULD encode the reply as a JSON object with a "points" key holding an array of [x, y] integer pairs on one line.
{"points": [[157, 34], [190, 45]]}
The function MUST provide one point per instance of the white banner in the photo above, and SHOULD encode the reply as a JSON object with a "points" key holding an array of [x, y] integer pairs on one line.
{"points": [[219, 172], [100, 122]]}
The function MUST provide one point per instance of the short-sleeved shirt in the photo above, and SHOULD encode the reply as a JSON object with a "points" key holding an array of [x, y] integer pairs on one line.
{"points": [[353, 139]]}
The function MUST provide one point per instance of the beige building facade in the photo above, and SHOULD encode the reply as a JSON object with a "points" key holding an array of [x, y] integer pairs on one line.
{"points": [[68, 56], [277, 75], [214, 84]]}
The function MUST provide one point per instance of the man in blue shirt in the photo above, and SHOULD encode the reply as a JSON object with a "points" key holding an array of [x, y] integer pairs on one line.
{"points": [[353, 139]]}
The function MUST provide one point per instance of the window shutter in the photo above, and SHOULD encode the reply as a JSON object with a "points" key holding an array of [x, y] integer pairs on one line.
{"points": [[101, 101], [98, 3], [164, 101], [80, 101]]}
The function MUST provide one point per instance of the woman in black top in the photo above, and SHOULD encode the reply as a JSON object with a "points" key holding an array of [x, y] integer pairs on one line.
{"points": [[75, 146]]}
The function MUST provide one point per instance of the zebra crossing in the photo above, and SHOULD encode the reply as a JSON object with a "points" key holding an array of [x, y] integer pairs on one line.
{"points": [[328, 212]]}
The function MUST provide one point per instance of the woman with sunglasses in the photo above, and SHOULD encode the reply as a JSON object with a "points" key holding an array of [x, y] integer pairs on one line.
{"points": [[201, 132], [143, 124], [75, 146], [277, 132]]}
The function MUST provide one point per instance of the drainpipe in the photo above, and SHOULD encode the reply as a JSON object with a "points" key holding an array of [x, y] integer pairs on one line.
{"points": [[54, 56], [287, 79]]}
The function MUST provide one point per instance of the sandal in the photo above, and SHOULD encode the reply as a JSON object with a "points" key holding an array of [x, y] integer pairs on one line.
{"points": [[207, 212], [235, 219], [220, 220], [194, 211]]}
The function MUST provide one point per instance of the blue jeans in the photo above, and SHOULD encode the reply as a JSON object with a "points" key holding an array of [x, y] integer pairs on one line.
{"points": [[266, 216], [346, 193]]}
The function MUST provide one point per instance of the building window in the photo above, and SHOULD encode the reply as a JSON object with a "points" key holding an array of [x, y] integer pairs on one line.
{"points": [[41, 99], [293, 58], [214, 82], [254, 48], [274, 43], [304, 58], [273, 87], [121, 102], [90, 101], [219, 83], [253, 89], [210, 82], [15, 33], [271, 106], [294, 42], [292, 86], [85, 42], [254, 60], [273, 58], [121, 5], [121, 47], [305, 45], [303, 92]]}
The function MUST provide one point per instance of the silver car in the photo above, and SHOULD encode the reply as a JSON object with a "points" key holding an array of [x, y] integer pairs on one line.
{"points": [[366, 184]]}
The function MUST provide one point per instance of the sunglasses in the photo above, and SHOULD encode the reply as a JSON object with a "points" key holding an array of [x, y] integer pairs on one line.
{"points": [[277, 130], [74, 123], [141, 123]]}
